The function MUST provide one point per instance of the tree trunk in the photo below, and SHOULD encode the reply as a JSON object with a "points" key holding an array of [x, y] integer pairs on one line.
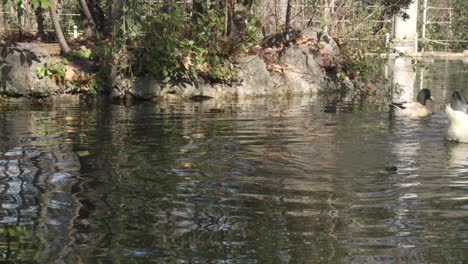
{"points": [[229, 26], [98, 14], [116, 17], [197, 9], [58, 30], [89, 21], [232, 26], [40, 22], [248, 4], [288, 16]]}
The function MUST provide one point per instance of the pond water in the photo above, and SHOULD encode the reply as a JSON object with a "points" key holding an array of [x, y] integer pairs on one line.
{"points": [[262, 181]]}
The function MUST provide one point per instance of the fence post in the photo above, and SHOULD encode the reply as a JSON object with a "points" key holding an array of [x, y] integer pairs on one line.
{"points": [[405, 30], [75, 31]]}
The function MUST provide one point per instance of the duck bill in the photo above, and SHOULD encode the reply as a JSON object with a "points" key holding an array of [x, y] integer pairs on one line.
{"points": [[432, 98]]}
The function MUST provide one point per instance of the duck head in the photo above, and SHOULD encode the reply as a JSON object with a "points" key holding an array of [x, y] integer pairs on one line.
{"points": [[424, 95], [458, 102]]}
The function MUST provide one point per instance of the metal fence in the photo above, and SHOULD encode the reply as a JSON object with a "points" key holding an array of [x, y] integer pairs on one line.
{"points": [[16, 19], [333, 16], [439, 17]]}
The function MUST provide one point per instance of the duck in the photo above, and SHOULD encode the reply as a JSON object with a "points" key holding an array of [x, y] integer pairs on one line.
{"points": [[416, 109], [457, 114]]}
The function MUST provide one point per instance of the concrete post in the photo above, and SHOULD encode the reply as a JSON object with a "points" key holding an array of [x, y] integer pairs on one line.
{"points": [[75, 31], [424, 22], [405, 39], [405, 31], [22, 15], [424, 19]]}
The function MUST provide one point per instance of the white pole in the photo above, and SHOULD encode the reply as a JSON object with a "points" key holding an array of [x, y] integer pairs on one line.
{"points": [[75, 31], [423, 34], [22, 15], [404, 30], [326, 15]]}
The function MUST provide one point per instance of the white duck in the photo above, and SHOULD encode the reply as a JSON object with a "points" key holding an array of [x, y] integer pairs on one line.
{"points": [[416, 109], [457, 113]]}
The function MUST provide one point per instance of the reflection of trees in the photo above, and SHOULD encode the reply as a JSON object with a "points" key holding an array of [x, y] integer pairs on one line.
{"points": [[37, 172], [193, 184]]}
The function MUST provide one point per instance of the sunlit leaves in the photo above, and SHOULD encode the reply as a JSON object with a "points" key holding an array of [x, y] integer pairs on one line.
{"points": [[35, 3]]}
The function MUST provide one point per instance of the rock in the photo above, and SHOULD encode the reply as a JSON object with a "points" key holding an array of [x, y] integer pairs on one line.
{"points": [[193, 89], [145, 87], [329, 46], [120, 86], [312, 33], [18, 71], [301, 62], [304, 74], [254, 77], [148, 88]]}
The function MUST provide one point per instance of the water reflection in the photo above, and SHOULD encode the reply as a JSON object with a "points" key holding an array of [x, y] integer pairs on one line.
{"points": [[269, 181], [403, 80], [38, 208], [458, 158]]}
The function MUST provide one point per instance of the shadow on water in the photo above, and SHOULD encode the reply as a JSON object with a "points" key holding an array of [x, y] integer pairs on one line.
{"points": [[305, 180]]}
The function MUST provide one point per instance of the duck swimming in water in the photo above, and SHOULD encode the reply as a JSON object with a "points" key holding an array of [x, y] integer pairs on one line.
{"points": [[416, 109], [457, 114]]}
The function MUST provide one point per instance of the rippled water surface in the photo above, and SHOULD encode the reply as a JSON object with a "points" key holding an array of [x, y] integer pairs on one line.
{"points": [[264, 181]]}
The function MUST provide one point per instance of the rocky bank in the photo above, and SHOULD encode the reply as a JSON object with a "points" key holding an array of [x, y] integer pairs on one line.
{"points": [[286, 64]]}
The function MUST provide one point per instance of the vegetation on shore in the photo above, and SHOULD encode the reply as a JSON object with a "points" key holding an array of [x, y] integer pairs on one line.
{"points": [[181, 40]]}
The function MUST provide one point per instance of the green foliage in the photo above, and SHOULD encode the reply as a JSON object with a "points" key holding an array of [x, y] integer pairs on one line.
{"points": [[178, 56], [35, 3], [18, 239], [357, 64], [175, 45], [361, 49], [56, 71], [53, 69], [90, 85], [41, 3], [81, 54], [59, 69], [43, 72]]}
